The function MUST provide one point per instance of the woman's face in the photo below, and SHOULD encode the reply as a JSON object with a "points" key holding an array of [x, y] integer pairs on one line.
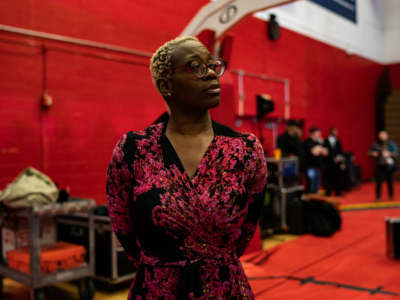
{"points": [[188, 91]]}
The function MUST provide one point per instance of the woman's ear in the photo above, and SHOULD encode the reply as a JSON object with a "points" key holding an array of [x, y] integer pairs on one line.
{"points": [[164, 86]]}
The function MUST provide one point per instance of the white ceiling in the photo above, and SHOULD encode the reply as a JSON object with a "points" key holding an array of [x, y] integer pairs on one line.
{"points": [[375, 36]]}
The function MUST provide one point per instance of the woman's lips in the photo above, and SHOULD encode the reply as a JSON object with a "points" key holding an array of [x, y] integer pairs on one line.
{"points": [[213, 91]]}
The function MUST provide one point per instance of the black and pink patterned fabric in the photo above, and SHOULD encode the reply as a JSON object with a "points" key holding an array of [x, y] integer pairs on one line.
{"points": [[185, 235]]}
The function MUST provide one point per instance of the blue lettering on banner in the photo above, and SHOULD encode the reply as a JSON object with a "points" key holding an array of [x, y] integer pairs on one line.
{"points": [[344, 8]]}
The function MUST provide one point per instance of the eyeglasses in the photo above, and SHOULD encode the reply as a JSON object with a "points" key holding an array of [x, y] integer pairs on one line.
{"points": [[200, 69]]}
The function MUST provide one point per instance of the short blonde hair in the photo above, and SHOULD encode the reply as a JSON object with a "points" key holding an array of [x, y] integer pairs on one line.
{"points": [[161, 61]]}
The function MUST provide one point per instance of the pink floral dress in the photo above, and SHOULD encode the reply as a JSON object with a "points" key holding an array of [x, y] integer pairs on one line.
{"points": [[183, 234]]}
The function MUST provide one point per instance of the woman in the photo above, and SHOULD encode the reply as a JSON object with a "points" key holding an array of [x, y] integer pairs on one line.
{"points": [[185, 195]]}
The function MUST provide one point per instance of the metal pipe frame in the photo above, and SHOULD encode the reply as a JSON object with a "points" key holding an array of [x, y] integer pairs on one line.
{"points": [[285, 81], [72, 41]]}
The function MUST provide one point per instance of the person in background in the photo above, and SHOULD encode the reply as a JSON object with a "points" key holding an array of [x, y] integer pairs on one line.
{"points": [[334, 163], [385, 152], [314, 153], [290, 142]]}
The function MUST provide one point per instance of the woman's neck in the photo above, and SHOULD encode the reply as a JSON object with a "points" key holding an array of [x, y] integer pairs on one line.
{"points": [[189, 124]]}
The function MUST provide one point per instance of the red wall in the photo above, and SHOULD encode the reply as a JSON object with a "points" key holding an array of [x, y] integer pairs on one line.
{"points": [[95, 101], [328, 88], [394, 71]]}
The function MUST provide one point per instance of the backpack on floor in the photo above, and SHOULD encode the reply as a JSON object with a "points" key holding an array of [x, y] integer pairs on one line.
{"points": [[321, 218]]}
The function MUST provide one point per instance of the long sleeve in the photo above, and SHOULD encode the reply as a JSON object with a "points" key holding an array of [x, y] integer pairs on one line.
{"points": [[256, 185], [394, 149], [119, 195]]}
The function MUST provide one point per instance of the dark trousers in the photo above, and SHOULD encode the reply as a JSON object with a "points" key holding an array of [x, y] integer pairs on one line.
{"points": [[332, 179], [383, 174]]}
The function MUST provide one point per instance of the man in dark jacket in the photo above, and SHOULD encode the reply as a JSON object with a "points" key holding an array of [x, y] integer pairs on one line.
{"points": [[314, 153], [385, 153], [334, 163], [290, 143]]}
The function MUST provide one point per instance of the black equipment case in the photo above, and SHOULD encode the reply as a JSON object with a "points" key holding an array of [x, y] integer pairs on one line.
{"points": [[393, 237]]}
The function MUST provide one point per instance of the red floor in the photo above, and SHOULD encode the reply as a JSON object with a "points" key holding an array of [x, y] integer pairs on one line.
{"points": [[366, 193], [354, 256]]}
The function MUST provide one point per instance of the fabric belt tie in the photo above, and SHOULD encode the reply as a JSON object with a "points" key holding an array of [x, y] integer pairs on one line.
{"points": [[189, 281]]}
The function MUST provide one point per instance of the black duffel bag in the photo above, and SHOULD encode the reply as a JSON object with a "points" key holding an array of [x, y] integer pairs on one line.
{"points": [[321, 218]]}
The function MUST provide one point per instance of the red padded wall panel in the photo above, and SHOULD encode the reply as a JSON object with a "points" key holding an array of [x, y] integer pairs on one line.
{"points": [[207, 37], [93, 106], [20, 86], [95, 101], [394, 71], [226, 47], [139, 24]]}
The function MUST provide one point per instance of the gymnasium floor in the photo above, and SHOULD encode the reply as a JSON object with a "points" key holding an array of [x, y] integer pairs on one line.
{"points": [[350, 265]]}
